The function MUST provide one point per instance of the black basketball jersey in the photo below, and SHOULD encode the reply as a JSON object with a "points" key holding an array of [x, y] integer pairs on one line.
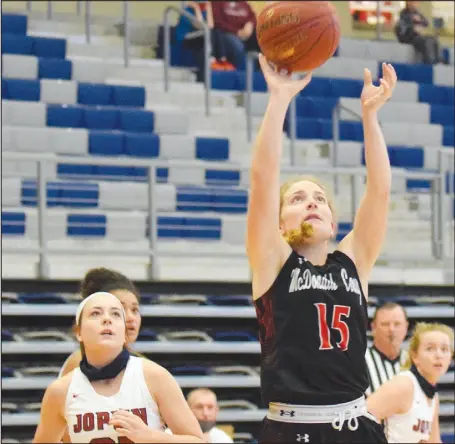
{"points": [[312, 328]]}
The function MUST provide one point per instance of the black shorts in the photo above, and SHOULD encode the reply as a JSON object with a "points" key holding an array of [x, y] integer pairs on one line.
{"points": [[274, 432]]}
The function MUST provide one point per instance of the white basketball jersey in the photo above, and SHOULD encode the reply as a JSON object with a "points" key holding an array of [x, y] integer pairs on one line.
{"points": [[414, 425], [88, 413]]}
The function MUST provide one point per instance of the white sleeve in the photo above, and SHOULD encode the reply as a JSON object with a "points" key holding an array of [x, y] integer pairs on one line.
{"points": [[218, 436]]}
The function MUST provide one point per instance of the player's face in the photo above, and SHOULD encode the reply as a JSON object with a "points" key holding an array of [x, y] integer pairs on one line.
{"points": [[390, 326], [133, 316], [306, 202], [434, 355], [102, 324]]}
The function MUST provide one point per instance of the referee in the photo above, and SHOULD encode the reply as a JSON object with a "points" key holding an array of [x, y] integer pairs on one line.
{"points": [[385, 357]]}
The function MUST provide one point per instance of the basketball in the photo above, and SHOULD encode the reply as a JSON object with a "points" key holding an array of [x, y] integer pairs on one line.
{"points": [[298, 36]]}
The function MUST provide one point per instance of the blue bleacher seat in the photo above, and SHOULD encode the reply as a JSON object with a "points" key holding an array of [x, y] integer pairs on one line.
{"points": [[350, 131], [7, 372], [231, 300], [412, 73], [189, 228], [210, 148], [406, 157], [77, 194], [437, 95], [21, 89], [13, 223], [66, 194], [142, 145], [344, 87], [234, 336], [94, 94], [193, 199], [315, 107], [442, 114], [136, 120], [53, 68], [229, 201], [147, 334], [41, 298], [342, 230], [307, 128], [65, 116], [149, 298], [16, 44], [7, 335], [449, 136], [190, 370], [14, 24], [225, 81], [106, 143], [49, 47], [128, 95], [417, 185], [86, 225], [101, 118], [222, 177], [447, 438], [259, 83]]}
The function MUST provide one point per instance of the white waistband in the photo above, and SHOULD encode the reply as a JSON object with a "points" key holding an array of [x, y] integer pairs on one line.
{"points": [[316, 413]]}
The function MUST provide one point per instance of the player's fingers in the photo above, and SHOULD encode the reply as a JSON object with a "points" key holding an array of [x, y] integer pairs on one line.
{"points": [[367, 79], [123, 432], [118, 423], [265, 66], [386, 87]]}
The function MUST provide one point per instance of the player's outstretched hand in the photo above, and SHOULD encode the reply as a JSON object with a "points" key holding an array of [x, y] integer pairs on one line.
{"points": [[281, 83], [374, 97], [131, 426]]}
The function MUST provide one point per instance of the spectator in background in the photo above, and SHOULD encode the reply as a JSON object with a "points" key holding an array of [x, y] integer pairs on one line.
{"points": [[385, 357], [237, 23], [192, 38], [204, 405], [411, 29]]}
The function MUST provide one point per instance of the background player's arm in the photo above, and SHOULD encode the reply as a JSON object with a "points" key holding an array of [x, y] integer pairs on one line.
{"points": [[172, 405], [52, 424], [364, 243], [394, 397], [266, 248], [71, 363], [435, 435]]}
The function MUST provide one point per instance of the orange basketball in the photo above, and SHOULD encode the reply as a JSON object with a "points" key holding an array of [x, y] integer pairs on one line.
{"points": [[298, 36]]}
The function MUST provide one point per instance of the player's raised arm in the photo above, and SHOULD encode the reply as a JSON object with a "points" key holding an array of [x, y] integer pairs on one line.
{"points": [[370, 224], [265, 245]]}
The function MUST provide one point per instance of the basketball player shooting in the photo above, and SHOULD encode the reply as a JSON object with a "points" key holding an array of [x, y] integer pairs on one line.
{"points": [[312, 304]]}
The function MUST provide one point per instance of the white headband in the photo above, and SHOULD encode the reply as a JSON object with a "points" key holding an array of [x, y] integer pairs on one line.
{"points": [[82, 304]]}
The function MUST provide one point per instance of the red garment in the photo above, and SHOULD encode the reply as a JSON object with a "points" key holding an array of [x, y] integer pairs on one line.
{"points": [[232, 16]]}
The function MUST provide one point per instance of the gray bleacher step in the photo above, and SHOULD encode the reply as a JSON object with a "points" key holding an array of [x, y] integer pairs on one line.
{"points": [[139, 71]]}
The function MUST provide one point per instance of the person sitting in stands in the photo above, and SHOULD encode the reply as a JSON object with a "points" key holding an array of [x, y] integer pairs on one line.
{"points": [[237, 24], [192, 37], [411, 29]]}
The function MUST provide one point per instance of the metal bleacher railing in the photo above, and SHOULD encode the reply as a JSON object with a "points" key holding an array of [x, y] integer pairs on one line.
{"points": [[207, 51], [437, 179]]}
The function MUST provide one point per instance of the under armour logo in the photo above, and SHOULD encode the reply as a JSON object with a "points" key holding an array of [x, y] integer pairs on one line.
{"points": [[304, 438], [290, 413]]}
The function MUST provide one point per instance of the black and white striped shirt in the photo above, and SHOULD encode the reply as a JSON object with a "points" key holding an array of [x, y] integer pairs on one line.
{"points": [[381, 368]]}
